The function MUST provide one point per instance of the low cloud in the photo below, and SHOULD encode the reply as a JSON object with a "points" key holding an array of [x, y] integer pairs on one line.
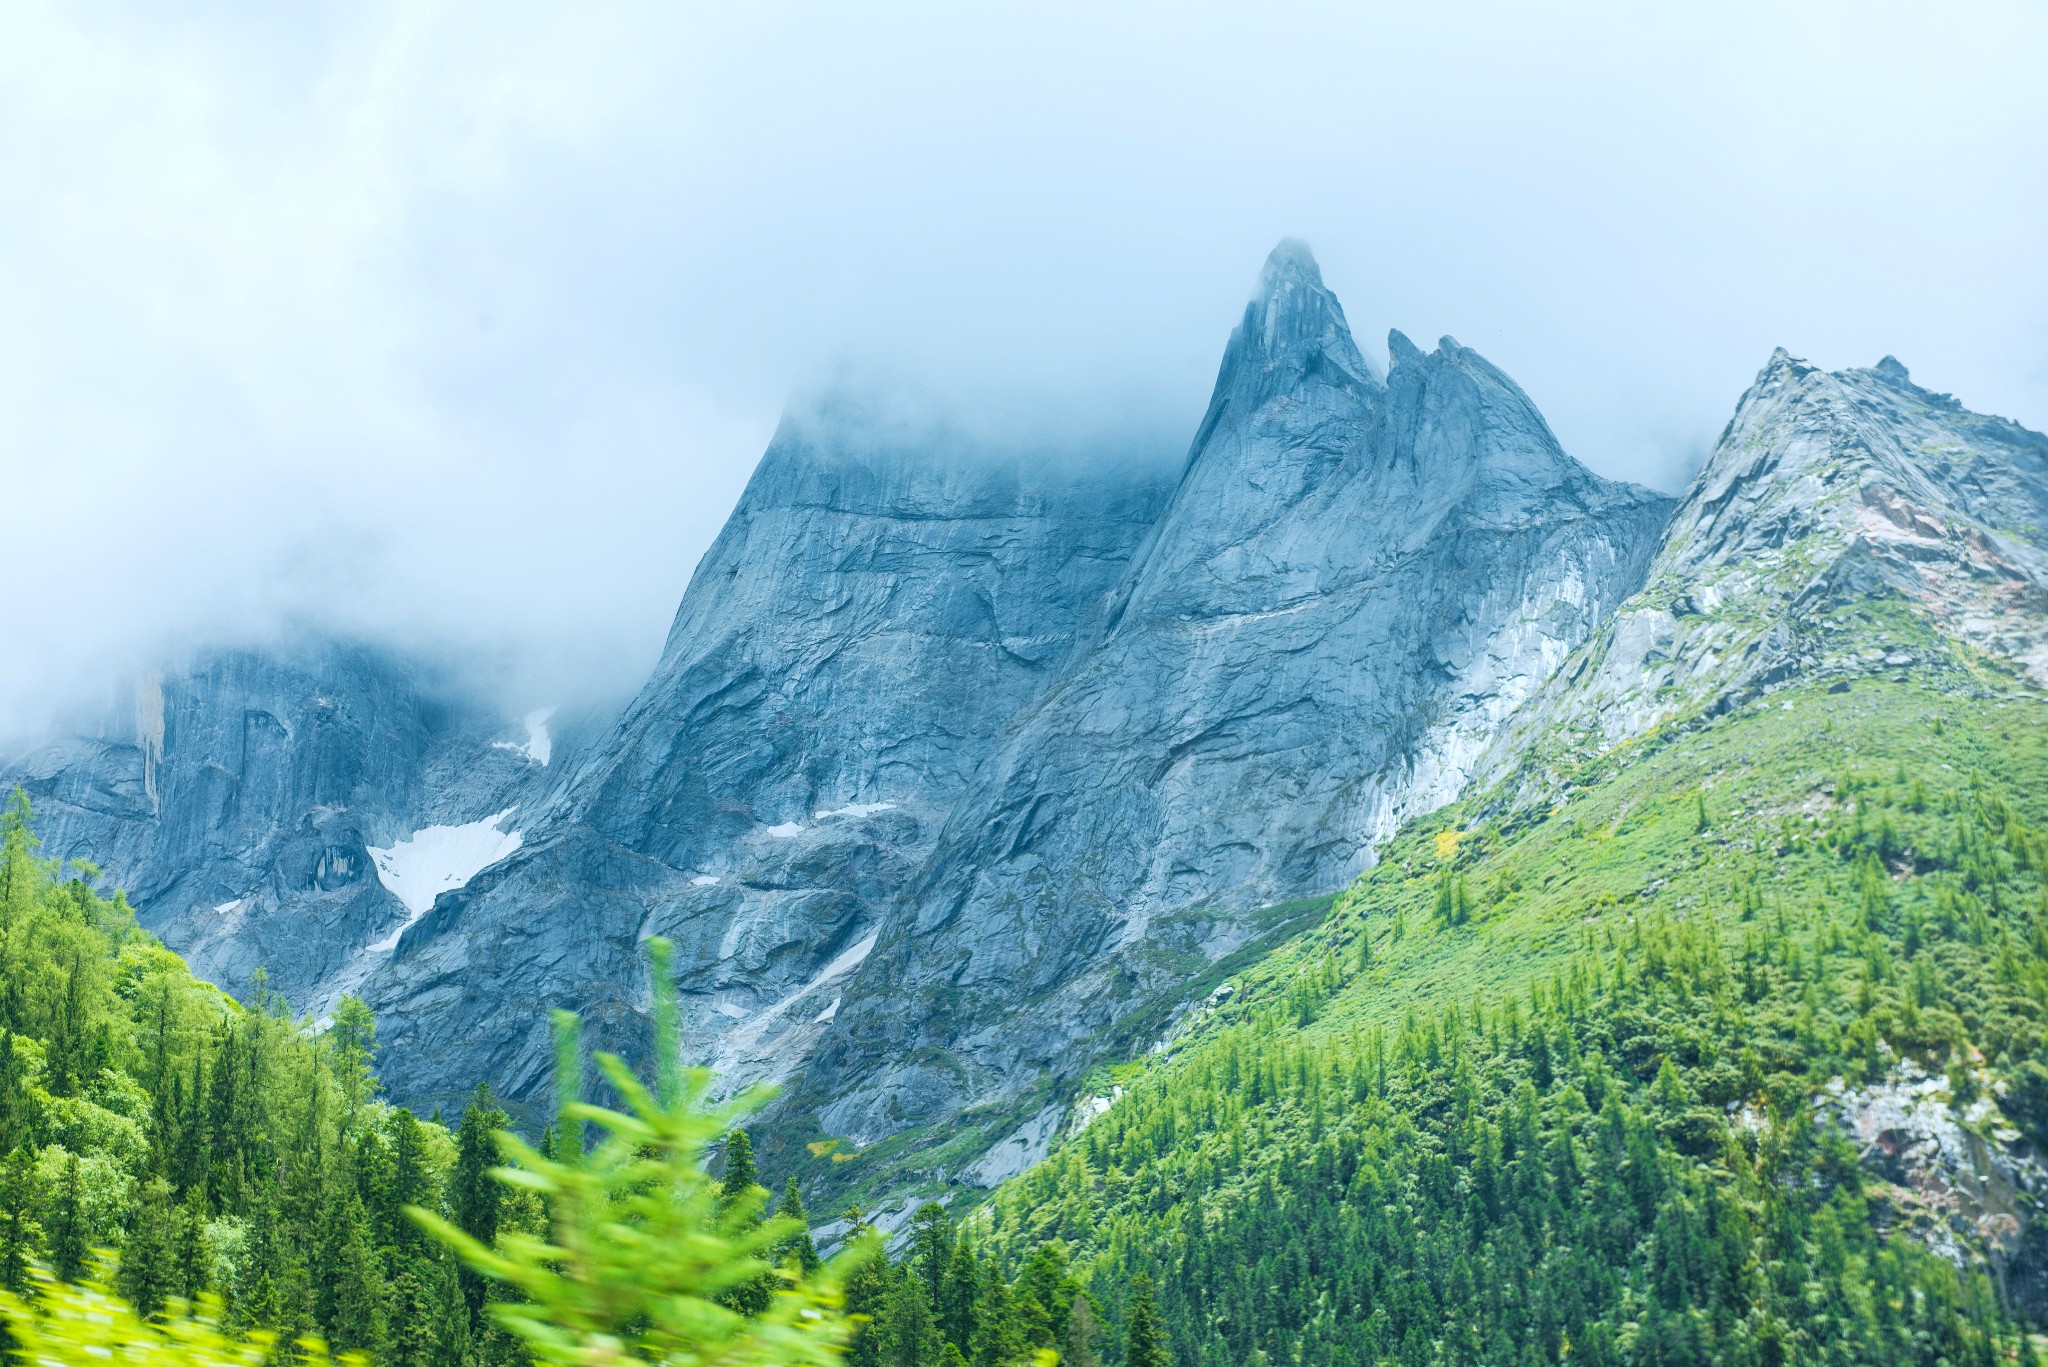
{"points": [[462, 325]]}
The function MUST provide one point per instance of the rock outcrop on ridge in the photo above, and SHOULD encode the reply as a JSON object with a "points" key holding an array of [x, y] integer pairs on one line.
{"points": [[243, 797]]}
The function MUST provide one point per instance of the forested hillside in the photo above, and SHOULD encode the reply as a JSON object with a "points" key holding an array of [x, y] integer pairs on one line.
{"points": [[1728, 1049], [180, 1145]]}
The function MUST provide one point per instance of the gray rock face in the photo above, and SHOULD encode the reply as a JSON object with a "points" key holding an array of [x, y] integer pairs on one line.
{"points": [[1825, 489], [238, 800], [1356, 579], [884, 600]]}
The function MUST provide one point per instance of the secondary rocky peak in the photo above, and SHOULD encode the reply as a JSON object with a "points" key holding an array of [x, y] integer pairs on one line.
{"points": [[1826, 491], [1400, 351]]}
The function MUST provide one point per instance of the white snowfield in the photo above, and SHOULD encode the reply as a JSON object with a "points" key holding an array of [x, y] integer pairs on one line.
{"points": [[438, 859], [855, 809]]}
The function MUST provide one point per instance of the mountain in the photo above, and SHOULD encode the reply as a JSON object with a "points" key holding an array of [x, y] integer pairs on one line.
{"points": [[1355, 581], [966, 761], [1852, 489], [1706, 1027], [286, 808]]}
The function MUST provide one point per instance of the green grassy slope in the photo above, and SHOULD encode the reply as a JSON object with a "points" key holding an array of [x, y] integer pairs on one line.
{"points": [[1548, 1084]]}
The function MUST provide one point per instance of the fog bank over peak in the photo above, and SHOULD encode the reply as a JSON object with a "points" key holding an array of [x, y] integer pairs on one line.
{"points": [[462, 327]]}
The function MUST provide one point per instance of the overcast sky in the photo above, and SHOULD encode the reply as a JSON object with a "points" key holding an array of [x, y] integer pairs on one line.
{"points": [[465, 323]]}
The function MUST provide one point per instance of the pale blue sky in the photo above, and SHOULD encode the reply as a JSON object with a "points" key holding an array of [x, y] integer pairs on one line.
{"points": [[465, 322]]}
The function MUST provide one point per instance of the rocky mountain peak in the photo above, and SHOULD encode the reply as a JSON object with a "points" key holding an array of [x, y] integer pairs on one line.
{"points": [[1293, 329], [1826, 492]]}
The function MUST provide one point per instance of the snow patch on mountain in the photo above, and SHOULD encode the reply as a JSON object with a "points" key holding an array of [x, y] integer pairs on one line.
{"points": [[540, 745], [438, 859], [854, 809]]}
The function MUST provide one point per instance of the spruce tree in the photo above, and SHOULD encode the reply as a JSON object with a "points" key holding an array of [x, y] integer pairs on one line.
{"points": [[414, 1320], [474, 1196], [960, 1291], [353, 1298], [194, 1271], [868, 1290], [148, 1272], [1044, 1293], [1144, 1335], [930, 1248], [998, 1337], [70, 1242], [739, 1189], [911, 1333], [1079, 1348], [740, 1179], [799, 1245], [411, 1182], [20, 1235], [13, 1101]]}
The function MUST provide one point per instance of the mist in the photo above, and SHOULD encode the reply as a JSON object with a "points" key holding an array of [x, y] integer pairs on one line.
{"points": [[461, 326]]}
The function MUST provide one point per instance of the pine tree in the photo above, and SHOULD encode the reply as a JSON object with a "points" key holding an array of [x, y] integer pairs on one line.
{"points": [[1144, 1335], [70, 1243]]}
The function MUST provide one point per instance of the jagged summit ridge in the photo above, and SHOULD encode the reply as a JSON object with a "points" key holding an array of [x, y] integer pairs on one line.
{"points": [[1354, 581]]}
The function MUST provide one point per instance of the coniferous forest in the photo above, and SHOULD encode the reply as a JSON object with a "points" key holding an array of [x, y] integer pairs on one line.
{"points": [[1546, 1085]]}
